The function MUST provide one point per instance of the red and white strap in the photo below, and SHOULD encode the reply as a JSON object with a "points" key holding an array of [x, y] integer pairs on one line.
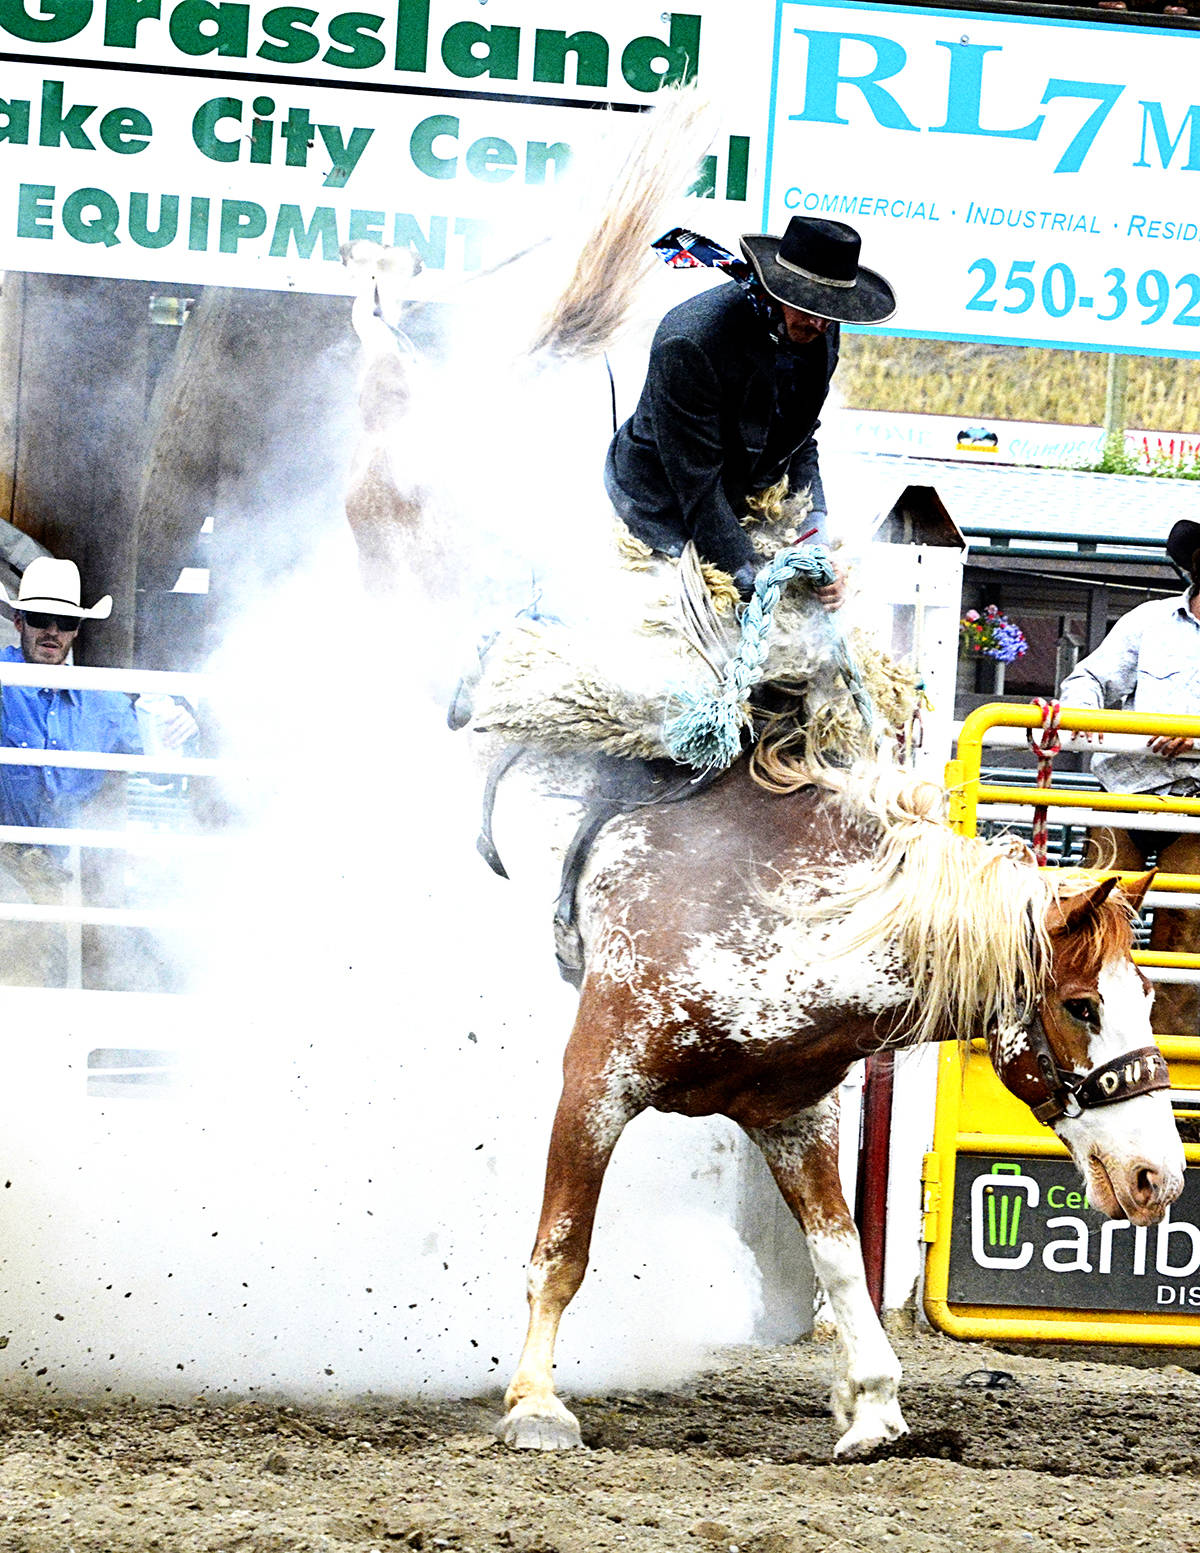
{"points": [[1045, 746]]}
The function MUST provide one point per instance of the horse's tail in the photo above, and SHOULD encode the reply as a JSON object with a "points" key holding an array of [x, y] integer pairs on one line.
{"points": [[615, 257]]}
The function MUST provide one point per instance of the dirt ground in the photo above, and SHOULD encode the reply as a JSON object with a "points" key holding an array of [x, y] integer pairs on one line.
{"points": [[1057, 1452]]}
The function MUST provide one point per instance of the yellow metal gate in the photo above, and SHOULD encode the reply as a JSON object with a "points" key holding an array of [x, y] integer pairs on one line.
{"points": [[1013, 1250]]}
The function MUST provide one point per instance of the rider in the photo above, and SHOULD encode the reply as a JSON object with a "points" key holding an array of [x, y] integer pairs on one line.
{"points": [[736, 382]]}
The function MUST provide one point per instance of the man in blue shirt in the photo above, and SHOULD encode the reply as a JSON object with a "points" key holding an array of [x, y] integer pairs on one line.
{"points": [[48, 615]]}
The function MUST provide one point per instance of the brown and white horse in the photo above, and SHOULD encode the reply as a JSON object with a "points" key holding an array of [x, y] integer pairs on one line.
{"points": [[743, 949]]}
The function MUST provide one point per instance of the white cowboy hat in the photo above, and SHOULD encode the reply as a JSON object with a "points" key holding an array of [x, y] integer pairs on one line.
{"points": [[50, 587]]}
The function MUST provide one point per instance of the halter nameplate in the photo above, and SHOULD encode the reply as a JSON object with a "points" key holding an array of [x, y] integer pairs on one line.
{"points": [[1138, 1072]]}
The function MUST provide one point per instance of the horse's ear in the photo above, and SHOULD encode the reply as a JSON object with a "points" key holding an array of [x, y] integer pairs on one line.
{"points": [[1072, 911], [1135, 890]]}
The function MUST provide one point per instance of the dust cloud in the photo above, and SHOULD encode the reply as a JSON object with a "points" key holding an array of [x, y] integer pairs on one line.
{"points": [[335, 1193]]}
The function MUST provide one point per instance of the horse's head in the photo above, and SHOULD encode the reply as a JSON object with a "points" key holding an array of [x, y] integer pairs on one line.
{"points": [[1086, 1063]]}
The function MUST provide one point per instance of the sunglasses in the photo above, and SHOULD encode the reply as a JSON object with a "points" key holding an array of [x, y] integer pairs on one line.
{"points": [[67, 623]]}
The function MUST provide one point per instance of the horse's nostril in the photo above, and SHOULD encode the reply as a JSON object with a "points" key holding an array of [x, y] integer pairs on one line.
{"points": [[1147, 1183]]}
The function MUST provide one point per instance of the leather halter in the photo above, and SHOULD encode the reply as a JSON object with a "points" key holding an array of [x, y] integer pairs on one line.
{"points": [[1137, 1072]]}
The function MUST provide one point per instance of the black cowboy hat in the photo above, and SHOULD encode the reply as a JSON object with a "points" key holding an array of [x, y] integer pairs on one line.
{"points": [[1182, 543], [814, 266]]}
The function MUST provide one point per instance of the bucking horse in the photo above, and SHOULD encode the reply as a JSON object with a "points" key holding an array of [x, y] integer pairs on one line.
{"points": [[740, 950]]}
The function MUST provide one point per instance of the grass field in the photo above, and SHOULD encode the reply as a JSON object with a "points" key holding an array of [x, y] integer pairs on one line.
{"points": [[1013, 382]]}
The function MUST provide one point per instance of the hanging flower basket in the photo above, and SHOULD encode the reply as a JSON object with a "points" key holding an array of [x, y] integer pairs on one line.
{"points": [[991, 635]]}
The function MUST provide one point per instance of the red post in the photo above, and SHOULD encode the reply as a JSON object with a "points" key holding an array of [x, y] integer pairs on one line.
{"points": [[870, 1205]]}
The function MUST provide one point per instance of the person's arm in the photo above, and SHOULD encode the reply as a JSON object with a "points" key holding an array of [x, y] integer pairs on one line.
{"points": [[687, 432], [804, 473], [804, 469], [1108, 676]]}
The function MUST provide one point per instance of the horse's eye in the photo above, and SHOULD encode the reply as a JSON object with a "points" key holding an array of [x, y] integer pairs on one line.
{"points": [[1083, 1009]]}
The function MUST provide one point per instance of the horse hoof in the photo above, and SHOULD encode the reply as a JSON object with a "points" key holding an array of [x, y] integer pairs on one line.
{"points": [[539, 1432], [864, 1438]]}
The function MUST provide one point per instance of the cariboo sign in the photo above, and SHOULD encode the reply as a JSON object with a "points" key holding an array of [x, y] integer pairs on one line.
{"points": [[1026, 1237], [1016, 178]]}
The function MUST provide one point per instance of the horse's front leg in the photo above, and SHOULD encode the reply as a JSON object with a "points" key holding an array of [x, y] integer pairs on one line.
{"points": [[803, 1156], [591, 1116]]}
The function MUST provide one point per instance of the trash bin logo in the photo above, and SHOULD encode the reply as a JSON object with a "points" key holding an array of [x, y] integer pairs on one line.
{"points": [[998, 1202]]}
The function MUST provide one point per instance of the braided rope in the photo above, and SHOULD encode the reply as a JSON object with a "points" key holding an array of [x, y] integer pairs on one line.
{"points": [[1045, 747], [707, 732]]}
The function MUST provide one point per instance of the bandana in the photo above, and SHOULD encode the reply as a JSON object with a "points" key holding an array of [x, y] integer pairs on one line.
{"points": [[680, 249], [684, 250]]}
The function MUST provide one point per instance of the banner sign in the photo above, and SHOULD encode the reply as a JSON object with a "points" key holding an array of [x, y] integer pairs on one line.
{"points": [[1026, 1237], [243, 143], [1016, 178]]}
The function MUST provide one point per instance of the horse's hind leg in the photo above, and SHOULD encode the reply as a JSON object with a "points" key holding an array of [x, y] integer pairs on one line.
{"points": [[802, 1155], [589, 1120]]}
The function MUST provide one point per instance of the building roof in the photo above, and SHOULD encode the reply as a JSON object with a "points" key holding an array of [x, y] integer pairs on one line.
{"points": [[1067, 502]]}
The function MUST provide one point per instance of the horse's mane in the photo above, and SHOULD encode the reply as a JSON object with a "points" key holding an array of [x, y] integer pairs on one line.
{"points": [[970, 919]]}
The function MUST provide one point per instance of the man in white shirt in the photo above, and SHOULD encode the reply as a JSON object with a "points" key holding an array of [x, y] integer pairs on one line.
{"points": [[1150, 662]]}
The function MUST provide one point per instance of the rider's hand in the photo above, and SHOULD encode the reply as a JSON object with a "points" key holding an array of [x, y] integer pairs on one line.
{"points": [[831, 596]]}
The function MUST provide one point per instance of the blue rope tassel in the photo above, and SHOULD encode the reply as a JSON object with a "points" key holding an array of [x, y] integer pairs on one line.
{"points": [[707, 733]]}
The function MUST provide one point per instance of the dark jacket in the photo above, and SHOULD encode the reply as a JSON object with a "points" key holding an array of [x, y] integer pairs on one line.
{"points": [[725, 411]]}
